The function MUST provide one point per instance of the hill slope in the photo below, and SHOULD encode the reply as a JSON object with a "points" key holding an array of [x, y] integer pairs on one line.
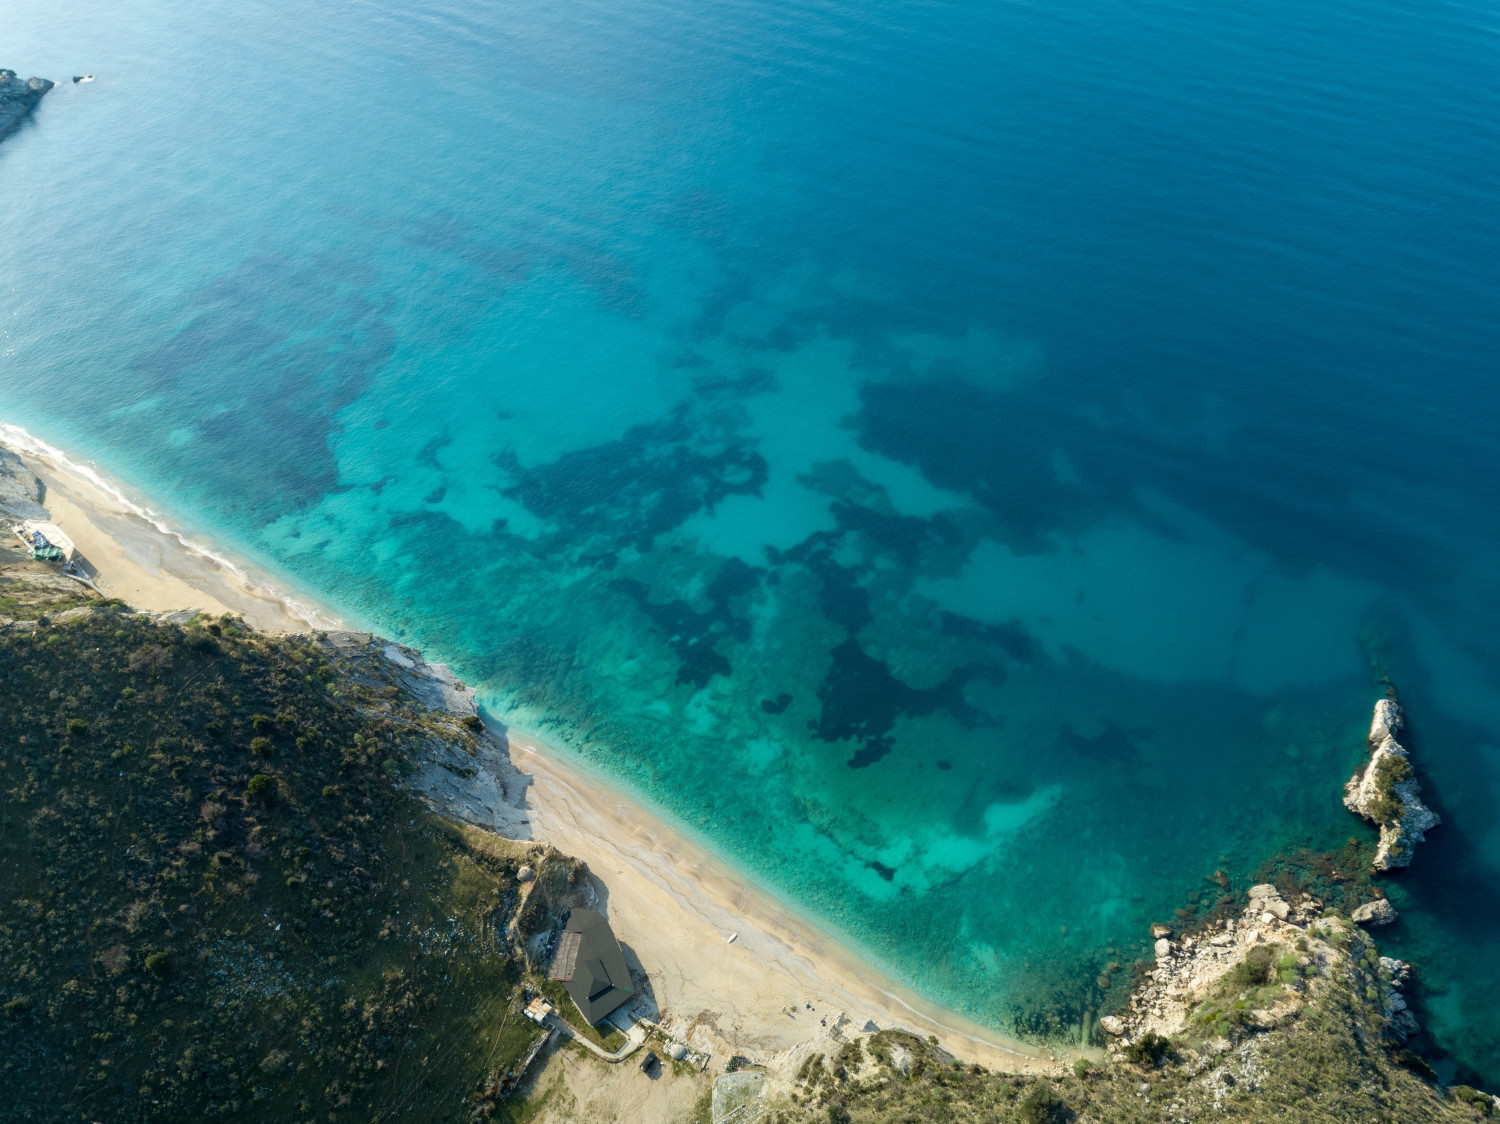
{"points": [[215, 900]]}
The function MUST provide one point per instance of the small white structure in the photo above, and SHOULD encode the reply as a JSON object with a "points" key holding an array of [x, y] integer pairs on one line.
{"points": [[46, 541], [538, 1010]]}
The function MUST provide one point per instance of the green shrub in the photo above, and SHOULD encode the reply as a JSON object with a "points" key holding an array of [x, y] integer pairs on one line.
{"points": [[261, 747], [201, 641], [159, 964], [1148, 1049], [1081, 1066], [262, 788], [77, 728], [1254, 970], [261, 723], [473, 722], [1392, 770], [1467, 1094], [1417, 1064], [1040, 1104]]}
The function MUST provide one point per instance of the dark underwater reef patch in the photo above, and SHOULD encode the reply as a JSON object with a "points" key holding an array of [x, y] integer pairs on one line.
{"points": [[997, 447], [637, 488], [1111, 744], [692, 635], [862, 700], [777, 705], [1042, 462], [301, 343]]}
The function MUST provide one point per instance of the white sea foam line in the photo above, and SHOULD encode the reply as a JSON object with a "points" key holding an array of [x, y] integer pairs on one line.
{"points": [[21, 439]]}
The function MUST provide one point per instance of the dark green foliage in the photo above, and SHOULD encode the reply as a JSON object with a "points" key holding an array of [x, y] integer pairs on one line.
{"points": [[1483, 1103], [1417, 1064], [1148, 1050], [1040, 1104], [473, 722], [1392, 770], [1254, 970], [261, 747], [77, 728], [175, 947]]}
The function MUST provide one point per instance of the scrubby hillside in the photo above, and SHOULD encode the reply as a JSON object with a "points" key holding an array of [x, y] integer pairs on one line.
{"points": [[216, 902]]}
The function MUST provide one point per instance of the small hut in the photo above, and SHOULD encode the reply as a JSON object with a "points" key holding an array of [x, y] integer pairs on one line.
{"points": [[46, 541]]}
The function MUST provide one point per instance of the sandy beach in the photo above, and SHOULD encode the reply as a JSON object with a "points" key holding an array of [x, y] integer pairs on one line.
{"points": [[779, 983], [676, 906], [132, 555]]}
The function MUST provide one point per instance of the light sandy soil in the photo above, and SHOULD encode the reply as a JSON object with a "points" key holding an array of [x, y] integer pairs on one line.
{"points": [[575, 1089]]}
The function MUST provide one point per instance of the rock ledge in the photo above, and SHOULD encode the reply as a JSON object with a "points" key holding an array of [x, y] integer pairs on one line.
{"points": [[18, 97]]}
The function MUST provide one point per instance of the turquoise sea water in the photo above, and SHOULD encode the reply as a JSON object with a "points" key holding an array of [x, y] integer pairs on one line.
{"points": [[970, 463]]}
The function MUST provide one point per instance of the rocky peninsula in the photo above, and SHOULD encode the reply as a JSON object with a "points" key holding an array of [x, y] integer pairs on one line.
{"points": [[18, 97], [1386, 792]]}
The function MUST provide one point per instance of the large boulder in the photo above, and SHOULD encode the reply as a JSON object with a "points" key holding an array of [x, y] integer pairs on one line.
{"points": [[1380, 912]]}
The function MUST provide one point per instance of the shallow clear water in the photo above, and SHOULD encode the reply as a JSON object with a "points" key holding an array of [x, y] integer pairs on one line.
{"points": [[970, 463]]}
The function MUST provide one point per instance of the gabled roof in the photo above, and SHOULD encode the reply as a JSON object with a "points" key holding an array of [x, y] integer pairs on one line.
{"points": [[589, 963]]}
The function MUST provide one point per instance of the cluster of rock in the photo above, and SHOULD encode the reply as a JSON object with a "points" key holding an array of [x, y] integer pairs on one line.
{"points": [[1386, 792], [1186, 970], [18, 97]]}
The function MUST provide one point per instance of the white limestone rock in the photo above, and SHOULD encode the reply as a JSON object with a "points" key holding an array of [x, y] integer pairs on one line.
{"points": [[901, 1059], [1112, 1025], [20, 491], [1399, 833], [1379, 912]]}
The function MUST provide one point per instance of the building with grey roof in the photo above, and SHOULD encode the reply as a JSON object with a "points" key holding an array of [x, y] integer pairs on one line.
{"points": [[589, 964]]}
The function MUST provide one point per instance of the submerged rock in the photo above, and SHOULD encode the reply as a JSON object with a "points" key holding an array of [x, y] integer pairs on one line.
{"points": [[18, 97], [1386, 792]]}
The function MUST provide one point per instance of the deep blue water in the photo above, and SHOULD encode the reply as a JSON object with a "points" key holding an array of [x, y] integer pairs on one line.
{"points": [[972, 463]]}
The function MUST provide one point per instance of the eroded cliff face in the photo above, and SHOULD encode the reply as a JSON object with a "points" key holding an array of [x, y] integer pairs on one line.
{"points": [[465, 770], [20, 490], [18, 97], [1386, 792]]}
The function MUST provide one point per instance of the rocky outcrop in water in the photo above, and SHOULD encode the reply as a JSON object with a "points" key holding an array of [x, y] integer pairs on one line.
{"points": [[1386, 792], [18, 97]]}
